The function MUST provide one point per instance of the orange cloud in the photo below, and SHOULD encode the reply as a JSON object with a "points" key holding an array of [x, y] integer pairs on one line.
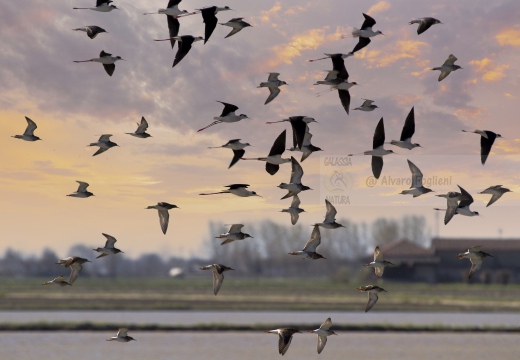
{"points": [[404, 49], [509, 37], [379, 7], [488, 70], [268, 14]]}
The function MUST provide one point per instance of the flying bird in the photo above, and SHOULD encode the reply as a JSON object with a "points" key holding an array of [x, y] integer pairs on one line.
{"points": [[309, 251], [294, 209], [237, 147], [378, 150], [372, 294], [496, 191], [236, 24], [367, 106], [209, 16], [458, 203], [109, 248], [234, 233], [228, 115], [121, 336], [299, 127], [91, 30], [185, 42], [447, 67], [487, 138], [76, 265], [273, 84], [417, 188], [405, 141], [476, 257], [82, 190], [106, 59], [104, 144], [365, 33], [307, 148], [141, 129], [274, 159], [218, 275], [323, 331], [101, 6], [284, 338], [330, 217], [340, 81], [424, 23], [28, 134], [379, 262], [236, 189], [172, 13], [164, 216], [60, 281], [295, 186]]}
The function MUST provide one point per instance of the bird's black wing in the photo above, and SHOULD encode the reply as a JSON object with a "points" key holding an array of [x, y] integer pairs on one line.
{"points": [[368, 23], [208, 14], [173, 28], [172, 3], [344, 96], [409, 126], [379, 135], [299, 127], [228, 108], [184, 48], [361, 44], [237, 154], [338, 64], [485, 145], [377, 166], [109, 68], [279, 144]]}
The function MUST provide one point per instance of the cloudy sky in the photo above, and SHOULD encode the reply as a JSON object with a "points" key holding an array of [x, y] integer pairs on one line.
{"points": [[75, 103]]}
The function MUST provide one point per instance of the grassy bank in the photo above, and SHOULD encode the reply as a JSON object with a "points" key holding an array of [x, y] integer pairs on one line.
{"points": [[251, 294]]}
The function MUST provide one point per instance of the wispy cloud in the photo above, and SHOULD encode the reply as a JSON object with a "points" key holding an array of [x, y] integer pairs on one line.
{"points": [[488, 70], [379, 7], [509, 37]]}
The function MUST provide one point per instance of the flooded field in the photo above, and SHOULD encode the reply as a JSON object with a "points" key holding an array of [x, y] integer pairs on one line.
{"points": [[190, 318], [257, 345]]}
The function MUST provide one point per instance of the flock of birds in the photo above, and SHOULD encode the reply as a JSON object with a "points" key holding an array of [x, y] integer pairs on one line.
{"points": [[336, 79]]}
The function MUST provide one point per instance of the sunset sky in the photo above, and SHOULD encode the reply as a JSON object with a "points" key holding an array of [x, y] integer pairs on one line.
{"points": [[73, 104]]}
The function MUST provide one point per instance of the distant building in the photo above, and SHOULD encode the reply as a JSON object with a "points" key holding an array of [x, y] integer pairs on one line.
{"points": [[439, 263]]}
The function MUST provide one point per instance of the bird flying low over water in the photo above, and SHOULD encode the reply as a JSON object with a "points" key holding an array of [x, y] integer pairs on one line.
{"points": [[447, 67], [295, 186], [228, 115], [496, 191], [109, 248], [273, 84], [76, 265], [106, 59], [405, 141], [487, 138], [236, 189], [378, 150], [309, 251], [424, 23], [365, 33], [28, 134], [236, 24], [104, 144], [294, 209], [185, 42], [82, 190], [234, 233], [218, 275], [284, 338], [476, 257], [210, 20], [101, 6], [322, 332], [274, 159], [330, 217], [121, 336], [141, 129], [164, 216], [379, 262], [60, 281], [237, 147], [417, 188], [91, 30], [372, 294]]}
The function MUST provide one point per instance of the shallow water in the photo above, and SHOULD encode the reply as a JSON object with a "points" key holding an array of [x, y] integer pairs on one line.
{"points": [[256, 345], [251, 317]]}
